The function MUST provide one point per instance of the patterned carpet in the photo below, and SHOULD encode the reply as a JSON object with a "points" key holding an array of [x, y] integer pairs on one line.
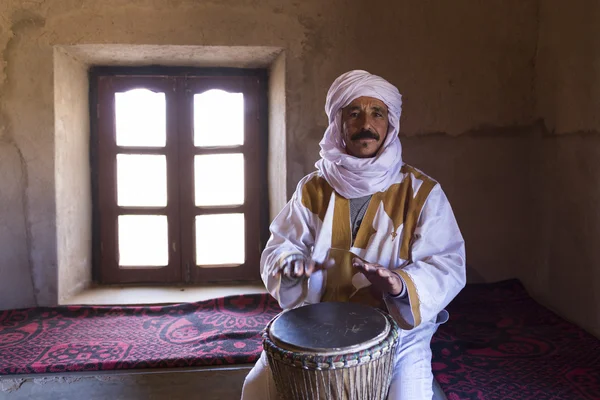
{"points": [[501, 344], [498, 344], [213, 332]]}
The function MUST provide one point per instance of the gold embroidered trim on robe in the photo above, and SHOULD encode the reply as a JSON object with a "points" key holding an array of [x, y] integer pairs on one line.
{"points": [[399, 203], [315, 196], [414, 207], [415, 302]]}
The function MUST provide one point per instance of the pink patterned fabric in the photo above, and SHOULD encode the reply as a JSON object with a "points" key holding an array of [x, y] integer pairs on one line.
{"points": [[499, 343], [62, 339]]}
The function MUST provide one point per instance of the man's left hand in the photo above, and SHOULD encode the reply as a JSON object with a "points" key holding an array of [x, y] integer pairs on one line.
{"points": [[380, 277]]}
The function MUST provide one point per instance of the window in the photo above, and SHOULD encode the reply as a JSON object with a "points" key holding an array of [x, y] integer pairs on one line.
{"points": [[179, 173]]}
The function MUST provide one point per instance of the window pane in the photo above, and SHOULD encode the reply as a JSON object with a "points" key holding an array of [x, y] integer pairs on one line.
{"points": [[143, 241], [220, 239], [218, 119], [141, 180], [219, 179], [141, 118]]}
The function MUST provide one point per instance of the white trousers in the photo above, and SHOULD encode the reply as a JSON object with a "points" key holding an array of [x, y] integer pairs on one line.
{"points": [[412, 378]]}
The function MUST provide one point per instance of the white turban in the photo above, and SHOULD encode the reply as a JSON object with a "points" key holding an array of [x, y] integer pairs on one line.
{"points": [[351, 176]]}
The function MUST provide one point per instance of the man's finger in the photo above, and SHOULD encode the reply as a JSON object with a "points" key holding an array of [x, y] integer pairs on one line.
{"points": [[313, 266], [281, 269], [287, 270], [325, 265], [275, 271], [298, 268], [360, 265], [366, 267], [383, 272], [370, 268], [357, 262], [310, 268]]}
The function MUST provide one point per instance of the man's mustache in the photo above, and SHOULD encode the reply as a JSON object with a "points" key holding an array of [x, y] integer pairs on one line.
{"points": [[365, 134]]}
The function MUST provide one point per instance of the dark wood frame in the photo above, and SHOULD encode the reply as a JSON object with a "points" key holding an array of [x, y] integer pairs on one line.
{"points": [[179, 85]]}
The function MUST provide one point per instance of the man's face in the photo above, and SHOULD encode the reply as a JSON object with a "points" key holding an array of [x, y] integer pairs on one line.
{"points": [[365, 125]]}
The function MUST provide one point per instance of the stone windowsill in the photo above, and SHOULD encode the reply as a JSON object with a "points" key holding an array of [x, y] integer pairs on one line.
{"points": [[123, 295]]}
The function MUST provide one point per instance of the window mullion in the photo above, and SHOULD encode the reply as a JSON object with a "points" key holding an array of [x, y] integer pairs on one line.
{"points": [[185, 148]]}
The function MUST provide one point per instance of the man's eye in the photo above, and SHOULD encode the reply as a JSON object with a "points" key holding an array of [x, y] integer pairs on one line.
{"points": [[378, 115], [354, 114]]}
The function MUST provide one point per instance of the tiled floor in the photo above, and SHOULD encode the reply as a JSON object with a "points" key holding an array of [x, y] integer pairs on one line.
{"points": [[112, 295]]}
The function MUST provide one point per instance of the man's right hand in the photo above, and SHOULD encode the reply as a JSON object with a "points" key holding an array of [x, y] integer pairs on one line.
{"points": [[295, 267]]}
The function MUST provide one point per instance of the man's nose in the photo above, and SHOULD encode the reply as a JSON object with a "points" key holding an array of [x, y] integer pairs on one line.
{"points": [[366, 123]]}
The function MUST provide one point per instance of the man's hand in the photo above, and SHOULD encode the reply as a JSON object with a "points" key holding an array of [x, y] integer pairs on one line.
{"points": [[297, 266], [380, 277]]}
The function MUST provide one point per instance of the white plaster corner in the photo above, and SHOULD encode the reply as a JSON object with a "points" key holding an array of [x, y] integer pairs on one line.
{"points": [[55, 379], [10, 385], [110, 378]]}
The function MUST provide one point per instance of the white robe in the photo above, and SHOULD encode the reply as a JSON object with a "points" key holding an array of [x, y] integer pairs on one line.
{"points": [[409, 228]]}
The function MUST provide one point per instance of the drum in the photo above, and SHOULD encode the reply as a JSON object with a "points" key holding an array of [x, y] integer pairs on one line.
{"points": [[331, 350]]}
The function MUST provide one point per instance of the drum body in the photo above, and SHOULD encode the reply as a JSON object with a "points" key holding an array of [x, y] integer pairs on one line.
{"points": [[337, 351]]}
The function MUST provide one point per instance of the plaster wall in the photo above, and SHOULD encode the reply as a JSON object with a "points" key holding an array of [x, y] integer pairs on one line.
{"points": [[462, 66], [566, 163], [72, 174]]}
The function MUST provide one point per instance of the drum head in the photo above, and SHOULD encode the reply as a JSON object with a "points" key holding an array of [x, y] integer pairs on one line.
{"points": [[329, 327]]}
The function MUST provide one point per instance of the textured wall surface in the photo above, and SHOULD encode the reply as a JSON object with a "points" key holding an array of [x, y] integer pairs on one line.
{"points": [[567, 66], [15, 280], [466, 70], [567, 274], [72, 184], [566, 166], [486, 180]]}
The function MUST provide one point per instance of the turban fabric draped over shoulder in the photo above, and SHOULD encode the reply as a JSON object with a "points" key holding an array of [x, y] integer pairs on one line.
{"points": [[350, 176]]}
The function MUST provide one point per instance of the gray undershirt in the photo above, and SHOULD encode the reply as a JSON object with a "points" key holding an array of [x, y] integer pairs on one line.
{"points": [[358, 208]]}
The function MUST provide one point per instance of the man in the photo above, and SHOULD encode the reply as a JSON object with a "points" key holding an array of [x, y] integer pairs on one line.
{"points": [[366, 227]]}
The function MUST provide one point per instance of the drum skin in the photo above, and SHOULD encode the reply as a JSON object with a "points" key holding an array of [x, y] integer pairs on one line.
{"points": [[331, 351]]}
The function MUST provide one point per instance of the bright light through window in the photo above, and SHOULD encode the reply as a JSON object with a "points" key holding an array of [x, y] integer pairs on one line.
{"points": [[219, 179], [143, 241], [141, 118], [218, 119], [220, 239], [141, 180]]}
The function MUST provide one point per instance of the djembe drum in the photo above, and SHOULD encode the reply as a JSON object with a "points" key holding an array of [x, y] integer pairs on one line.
{"points": [[338, 351]]}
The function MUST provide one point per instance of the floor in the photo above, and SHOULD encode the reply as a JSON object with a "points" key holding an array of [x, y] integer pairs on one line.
{"points": [[121, 295], [206, 383]]}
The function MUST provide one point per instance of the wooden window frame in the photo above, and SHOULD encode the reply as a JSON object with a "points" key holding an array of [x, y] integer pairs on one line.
{"points": [[179, 85]]}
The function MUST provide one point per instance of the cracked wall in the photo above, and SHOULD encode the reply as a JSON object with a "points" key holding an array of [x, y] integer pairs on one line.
{"points": [[464, 69], [16, 285]]}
